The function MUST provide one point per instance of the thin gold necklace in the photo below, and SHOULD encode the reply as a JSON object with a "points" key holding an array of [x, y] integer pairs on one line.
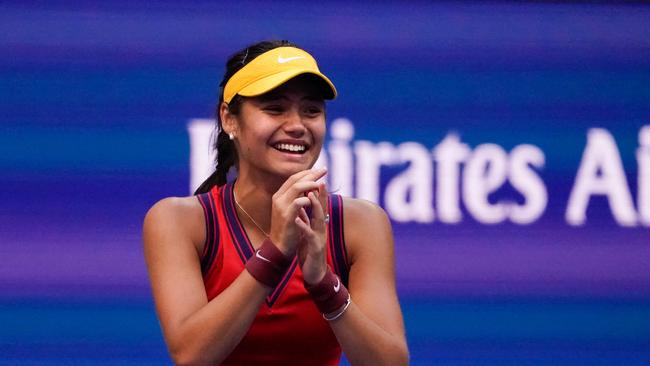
{"points": [[249, 216]]}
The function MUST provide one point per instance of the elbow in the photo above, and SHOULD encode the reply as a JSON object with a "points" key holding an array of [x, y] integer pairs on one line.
{"points": [[187, 349], [404, 356], [184, 355], [394, 354], [185, 359], [400, 355]]}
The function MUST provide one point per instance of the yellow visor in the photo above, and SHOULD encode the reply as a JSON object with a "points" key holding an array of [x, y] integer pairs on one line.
{"points": [[272, 69]]}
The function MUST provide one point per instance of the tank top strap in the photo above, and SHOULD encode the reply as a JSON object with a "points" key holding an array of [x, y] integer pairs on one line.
{"points": [[211, 230], [336, 238]]}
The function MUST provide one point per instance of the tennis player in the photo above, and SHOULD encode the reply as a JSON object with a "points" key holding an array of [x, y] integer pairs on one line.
{"points": [[268, 268]]}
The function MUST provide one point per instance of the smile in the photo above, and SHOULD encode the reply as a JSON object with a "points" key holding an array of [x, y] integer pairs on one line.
{"points": [[291, 148]]}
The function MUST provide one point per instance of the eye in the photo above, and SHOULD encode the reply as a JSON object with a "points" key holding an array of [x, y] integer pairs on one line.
{"points": [[274, 109], [313, 111]]}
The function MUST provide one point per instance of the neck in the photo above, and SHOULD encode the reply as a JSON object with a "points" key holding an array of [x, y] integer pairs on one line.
{"points": [[254, 193]]}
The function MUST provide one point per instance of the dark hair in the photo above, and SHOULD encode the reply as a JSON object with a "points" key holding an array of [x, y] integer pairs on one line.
{"points": [[226, 152]]}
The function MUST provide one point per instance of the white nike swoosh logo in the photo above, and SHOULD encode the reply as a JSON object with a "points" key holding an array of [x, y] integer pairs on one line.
{"points": [[258, 255], [337, 287], [282, 60]]}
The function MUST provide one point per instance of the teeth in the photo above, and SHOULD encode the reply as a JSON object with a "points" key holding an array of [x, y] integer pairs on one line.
{"points": [[290, 147]]}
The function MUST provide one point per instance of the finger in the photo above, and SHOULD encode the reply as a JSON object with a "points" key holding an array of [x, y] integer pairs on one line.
{"points": [[304, 216], [297, 190], [309, 174], [291, 180], [318, 215], [305, 229], [316, 207], [296, 205], [301, 189], [314, 175], [323, 196]]}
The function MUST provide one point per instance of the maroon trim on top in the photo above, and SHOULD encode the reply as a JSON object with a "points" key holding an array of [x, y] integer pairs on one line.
{"points": [[211, 244], [339, 252], [243, 243]]}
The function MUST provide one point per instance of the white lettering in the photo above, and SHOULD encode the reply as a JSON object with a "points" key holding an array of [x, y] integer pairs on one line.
{"points": [[485, 171], [415, 183], [524, 179], [462, 175], [449, 154], [340, 173], [202, 155], [369, 158], [643, 180], [601, 156]]}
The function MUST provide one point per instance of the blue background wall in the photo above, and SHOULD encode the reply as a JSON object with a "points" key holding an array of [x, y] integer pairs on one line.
{"points": [[94, 105]]}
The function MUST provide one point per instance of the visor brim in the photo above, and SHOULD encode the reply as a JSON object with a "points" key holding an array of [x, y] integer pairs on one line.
{"points": [[271, 82]]}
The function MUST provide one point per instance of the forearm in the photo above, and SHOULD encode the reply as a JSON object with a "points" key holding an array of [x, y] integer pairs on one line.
{"points": [[210, 334], [366, 343]]}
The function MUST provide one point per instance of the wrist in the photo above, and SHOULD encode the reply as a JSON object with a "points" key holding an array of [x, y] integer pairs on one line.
{"points": [[329, 295], [315, 277], [268, 264], [284, 248]]}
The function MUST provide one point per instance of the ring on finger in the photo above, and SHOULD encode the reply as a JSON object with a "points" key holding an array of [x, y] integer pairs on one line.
{"points": [[327, 218]]}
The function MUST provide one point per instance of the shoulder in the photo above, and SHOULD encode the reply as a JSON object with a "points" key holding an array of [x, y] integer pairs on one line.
{"points": [[367, 228], [178, 209], [363, 213], [176, 217]]}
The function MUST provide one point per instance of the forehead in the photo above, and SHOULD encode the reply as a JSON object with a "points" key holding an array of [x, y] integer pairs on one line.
{"points": [[304, 86]]}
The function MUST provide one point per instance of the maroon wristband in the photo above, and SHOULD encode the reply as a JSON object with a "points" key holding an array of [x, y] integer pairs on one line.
{"points": [[329, 294], [268, 264]]}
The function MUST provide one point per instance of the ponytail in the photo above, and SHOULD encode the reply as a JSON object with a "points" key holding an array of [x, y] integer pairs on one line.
{"points": [[226, 158]]}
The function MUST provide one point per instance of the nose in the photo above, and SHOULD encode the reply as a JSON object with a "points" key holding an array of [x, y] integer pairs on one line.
{"points": [[293, 124]]}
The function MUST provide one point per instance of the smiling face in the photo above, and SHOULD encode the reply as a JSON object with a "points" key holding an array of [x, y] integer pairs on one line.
{"points": [[281, 132]]}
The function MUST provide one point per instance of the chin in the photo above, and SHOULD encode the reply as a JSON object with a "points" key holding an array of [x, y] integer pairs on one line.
{"points": [[287, 170]]}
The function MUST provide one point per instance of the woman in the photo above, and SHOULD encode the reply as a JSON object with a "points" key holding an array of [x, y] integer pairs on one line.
{"points": [[256, 271]]}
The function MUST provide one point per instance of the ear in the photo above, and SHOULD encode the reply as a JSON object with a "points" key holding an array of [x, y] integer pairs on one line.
{"points": [[228, 120]]}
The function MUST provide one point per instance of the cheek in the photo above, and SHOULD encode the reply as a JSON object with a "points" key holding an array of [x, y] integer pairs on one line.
{"points": [[256, 144], [253, 142], [318, 129], [257, 131], [319, 135]]}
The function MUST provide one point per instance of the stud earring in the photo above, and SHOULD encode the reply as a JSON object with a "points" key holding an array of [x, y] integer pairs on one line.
{"points": [[231, 136]]}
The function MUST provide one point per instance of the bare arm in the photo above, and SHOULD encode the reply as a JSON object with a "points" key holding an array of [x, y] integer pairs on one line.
{"points": [[371, 331], [197, 332]]}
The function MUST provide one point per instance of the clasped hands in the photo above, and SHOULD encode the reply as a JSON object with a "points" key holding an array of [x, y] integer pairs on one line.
{"points": [[298, 224]]}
